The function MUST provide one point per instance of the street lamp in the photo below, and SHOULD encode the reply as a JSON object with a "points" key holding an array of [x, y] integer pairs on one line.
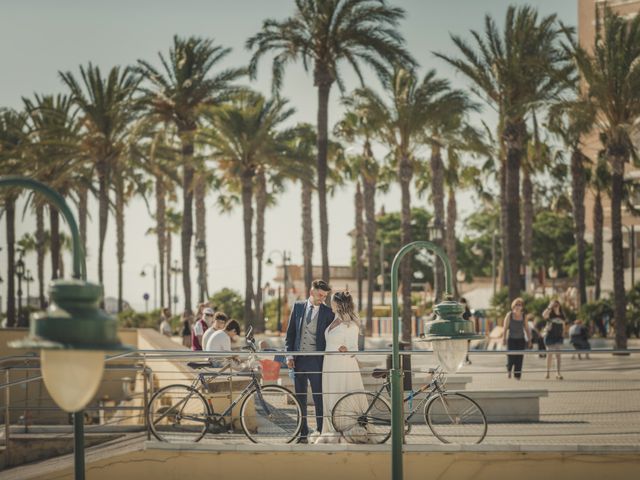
{"points": [[448, 333], [28, 278], [201, 254], [73, 333], [175, 270], [143, 273], [285, 257], [19, 270]]}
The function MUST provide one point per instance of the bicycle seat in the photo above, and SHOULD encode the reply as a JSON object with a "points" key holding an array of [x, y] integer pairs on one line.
{"points": [[380, 373], [198, 365]]}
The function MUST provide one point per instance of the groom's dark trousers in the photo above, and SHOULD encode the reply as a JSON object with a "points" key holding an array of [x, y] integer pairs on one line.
{"points": [[309, 369]]}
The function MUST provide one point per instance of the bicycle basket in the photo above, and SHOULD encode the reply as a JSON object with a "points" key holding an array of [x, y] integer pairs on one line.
{"points": [[270, 369]]}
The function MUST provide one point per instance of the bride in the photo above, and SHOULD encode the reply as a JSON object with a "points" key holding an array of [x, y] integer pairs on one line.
{"points": [[340, 373]]}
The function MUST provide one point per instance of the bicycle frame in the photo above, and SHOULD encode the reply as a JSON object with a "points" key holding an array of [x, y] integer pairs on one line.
{"points": [[431, 389], [254, 383]]}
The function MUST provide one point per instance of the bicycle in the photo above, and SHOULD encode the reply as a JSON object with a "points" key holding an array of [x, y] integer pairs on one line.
{"points": [[184, 413], [365, 417]]}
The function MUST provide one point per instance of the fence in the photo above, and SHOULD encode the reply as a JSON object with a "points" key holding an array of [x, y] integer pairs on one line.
{"points": [[597, 401]]}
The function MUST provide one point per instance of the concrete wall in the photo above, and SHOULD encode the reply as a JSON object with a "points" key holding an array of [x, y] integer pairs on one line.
{"points": [[317, 463]]}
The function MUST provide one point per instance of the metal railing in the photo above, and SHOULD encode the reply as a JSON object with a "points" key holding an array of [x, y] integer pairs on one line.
{"points": [[597, 400]]}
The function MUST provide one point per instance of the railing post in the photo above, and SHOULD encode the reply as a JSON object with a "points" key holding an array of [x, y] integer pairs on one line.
{"points": [[145, 399], [7, 417]]}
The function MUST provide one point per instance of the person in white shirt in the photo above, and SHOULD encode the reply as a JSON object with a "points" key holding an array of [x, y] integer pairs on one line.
{"points": [[216, 322], [220, 341]]}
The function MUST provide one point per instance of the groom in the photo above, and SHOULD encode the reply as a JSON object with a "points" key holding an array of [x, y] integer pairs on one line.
{"points": [[305, 333]]}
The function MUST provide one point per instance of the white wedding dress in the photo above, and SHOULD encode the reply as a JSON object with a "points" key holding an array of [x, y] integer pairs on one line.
{"points": [[340, 374]]}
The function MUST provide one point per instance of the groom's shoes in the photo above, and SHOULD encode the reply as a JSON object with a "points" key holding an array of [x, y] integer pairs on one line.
{"points": [[303, 440]]}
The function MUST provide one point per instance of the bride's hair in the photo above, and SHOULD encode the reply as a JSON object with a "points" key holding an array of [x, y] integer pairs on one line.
{"points": [[345, 307]]}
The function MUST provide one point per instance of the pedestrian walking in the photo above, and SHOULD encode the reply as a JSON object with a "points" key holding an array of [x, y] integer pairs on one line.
{"points": [[185, 330], [516, 335], [554, 334], [165, 326]]}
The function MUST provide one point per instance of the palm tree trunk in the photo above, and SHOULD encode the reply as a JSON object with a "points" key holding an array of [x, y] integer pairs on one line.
{"points": [[307, 234], [324, 88], [161, 234], [359, 270], [527, 217], [617, 186], [452, 251], [200, 191], [261, 207], [54, 223], [10, 212], [598, 248], [103, 214], [370, 228], [405, 174], [83, 198], [247, 217], [119, 187], [188, 171], [578, 178], [40, 252], [437, 194], [514, 133]]}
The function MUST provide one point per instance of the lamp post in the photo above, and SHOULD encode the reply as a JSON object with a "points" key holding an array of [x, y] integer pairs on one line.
{"points": [[285, 257], [175, 270], [28, 278], [143, 273], [19, 271], [73, 334], [448, 333], [201, 254]]}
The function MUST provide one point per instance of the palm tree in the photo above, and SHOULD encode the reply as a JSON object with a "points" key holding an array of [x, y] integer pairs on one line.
{"points": [[322, 34], [601, 185], [402, 122], [513, 71], [106, 106], [242, 133], [12, 138], [571, 120], [444, 126], [177, 93], [54, 132], [358, 125], [302, 149], [612, 74]]}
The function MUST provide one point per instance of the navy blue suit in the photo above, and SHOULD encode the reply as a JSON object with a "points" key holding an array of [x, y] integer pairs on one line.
{"points": [[308, 369]]}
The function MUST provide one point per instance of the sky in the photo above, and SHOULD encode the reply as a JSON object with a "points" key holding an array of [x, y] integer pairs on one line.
{"points": [[40, 38]]}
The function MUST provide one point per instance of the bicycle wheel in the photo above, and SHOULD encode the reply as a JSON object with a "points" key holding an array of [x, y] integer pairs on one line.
{"points": [[455, 418], [178, 413], [362, 417], [271, 414]]}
